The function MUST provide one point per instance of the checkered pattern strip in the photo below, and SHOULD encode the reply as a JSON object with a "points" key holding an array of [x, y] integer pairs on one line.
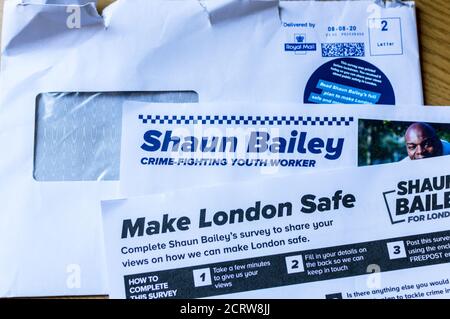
{"points": [[246, 120]]}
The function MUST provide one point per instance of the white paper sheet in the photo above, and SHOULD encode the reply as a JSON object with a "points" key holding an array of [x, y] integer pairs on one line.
{"points": [[372, 232], [171, 146], [50, 232]]}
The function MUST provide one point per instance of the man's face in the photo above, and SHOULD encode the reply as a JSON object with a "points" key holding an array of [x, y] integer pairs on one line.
{"points": [[422, 143]]}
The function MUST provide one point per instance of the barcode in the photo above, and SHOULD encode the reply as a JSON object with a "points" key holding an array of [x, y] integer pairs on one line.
{"points": [[342, 49]]}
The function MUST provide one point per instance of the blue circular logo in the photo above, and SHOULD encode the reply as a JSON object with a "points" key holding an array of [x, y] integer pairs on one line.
{"points": [[349, 81]]}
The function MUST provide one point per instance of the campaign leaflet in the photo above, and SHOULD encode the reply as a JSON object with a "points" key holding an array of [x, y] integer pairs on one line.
{"points": [[370, 232], [172, 146]]}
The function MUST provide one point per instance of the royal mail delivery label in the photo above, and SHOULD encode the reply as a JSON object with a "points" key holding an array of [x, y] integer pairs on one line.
{"points": [[368, 232], [165, 147]]}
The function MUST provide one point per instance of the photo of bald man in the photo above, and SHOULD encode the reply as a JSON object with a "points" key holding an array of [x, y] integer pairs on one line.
{"points": [[422, 142]]}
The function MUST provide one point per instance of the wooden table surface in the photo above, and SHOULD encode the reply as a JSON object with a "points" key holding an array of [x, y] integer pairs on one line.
{"points": [[433, 23]]}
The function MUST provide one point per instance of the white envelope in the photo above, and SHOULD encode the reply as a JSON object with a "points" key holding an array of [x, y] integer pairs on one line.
{"points": [[58, 146]]}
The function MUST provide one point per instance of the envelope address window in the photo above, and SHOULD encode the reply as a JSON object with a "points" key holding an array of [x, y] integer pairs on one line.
{"points": [[77, 135]]}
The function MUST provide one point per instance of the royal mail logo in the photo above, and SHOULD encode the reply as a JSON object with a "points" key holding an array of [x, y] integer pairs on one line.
{"points": [[419, 200], [300, 46], [300, 38]]}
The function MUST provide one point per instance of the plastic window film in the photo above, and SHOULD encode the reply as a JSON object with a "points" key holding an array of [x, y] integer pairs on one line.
{"points": [[78, 135]]}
